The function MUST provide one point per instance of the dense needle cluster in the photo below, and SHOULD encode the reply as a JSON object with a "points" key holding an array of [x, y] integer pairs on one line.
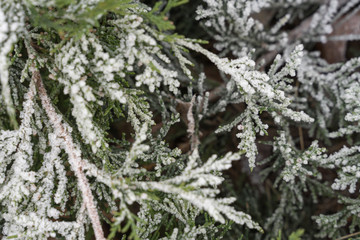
{"points": [[111, 125]]}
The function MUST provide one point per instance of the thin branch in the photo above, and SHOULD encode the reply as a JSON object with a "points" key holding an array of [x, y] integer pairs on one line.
{"points": [[191, 126], [348, 236], [73, 153], [301, 136]]}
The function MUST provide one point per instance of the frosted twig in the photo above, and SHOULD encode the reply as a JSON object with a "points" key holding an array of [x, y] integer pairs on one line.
{"points": [[73, 153], [191, 125]]}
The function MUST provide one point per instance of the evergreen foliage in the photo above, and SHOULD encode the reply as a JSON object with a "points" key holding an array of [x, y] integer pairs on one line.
{"points": [[111, 125]]}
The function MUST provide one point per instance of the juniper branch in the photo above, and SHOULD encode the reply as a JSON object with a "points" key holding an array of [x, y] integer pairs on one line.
{"points": [[74, 154]]}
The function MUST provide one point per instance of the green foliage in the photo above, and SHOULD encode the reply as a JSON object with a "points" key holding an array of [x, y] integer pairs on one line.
{"points": [[297, 235], [69, 21], [111, 118]]}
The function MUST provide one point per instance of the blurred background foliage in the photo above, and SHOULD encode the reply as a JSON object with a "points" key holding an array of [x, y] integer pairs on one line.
{"points": [[255, 191]]}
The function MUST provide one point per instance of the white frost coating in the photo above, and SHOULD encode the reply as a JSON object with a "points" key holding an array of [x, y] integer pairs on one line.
{"points": [[130, 167], [72, 62], [200, 178], [252, 82], [138, 46], [19, 183], [204, 198], [234, 26], [74, 155], [321, 23], [11, 27], [241, 70], [346, 159], [296, 164], [259, 90], [333, 86], [248, 138]]}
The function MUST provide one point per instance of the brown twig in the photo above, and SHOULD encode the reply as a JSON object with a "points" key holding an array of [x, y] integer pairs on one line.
{"points": [[301, 136], [191, 126], [349, 235]]}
